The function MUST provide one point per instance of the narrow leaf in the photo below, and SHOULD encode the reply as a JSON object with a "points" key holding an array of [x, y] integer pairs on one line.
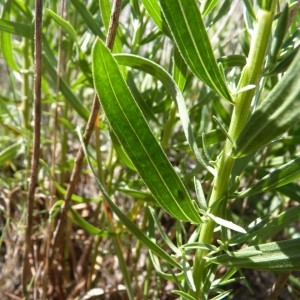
{"points": [[135, 135], [283, 62], [154, 12], [80, 221], [23, 8], [137, 194], [163, 233], [158, 270], [249, 9], [197, 245], [280, 32], [224, 294], [63, 191], [275, 256], [266, 228], [223, 11], [5, 41], [227, 224], [200, 194], [54, 210], [87, 17], [279, 177], [231, 61], [183, 294], [207, 6], [161, 74], [16, 28], [188, 274], [9, 152], [189, 32], [275, 115], [63, 23], [179, 72], [211, 137]]}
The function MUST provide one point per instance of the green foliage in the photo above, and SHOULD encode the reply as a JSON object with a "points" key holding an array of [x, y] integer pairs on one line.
{"points": [[277, 113], [195, 149], [276, 256], [130, 127], [192, 41]]}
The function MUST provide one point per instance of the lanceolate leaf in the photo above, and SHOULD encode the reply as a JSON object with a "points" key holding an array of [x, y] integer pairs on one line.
{"points": [[227, 224], [188, 30], [279, 111], [161, 74], [281, 176], [276, 256], [133, 132], [262, 229], [88, 18], [63, 23]]}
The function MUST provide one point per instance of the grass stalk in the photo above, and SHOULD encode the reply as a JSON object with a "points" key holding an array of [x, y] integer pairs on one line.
{"points": [[242, 105], [27, 95]]}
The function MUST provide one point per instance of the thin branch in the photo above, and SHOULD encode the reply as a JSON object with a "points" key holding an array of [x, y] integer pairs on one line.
{"points": [[47, 261], [36, 142], [113, 24], [61, 225]]}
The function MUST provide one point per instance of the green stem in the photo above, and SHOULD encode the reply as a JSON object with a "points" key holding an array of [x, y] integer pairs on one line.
{"points": [[26, 85], [242, 102], [26, 102]]}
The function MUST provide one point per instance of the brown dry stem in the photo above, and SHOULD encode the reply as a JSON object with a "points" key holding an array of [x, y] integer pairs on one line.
{"points": [[36, 143]]}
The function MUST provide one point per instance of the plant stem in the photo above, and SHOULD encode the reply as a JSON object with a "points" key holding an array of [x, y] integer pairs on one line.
{"points": [[26, 98], [28, 255], [251, 75]]}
